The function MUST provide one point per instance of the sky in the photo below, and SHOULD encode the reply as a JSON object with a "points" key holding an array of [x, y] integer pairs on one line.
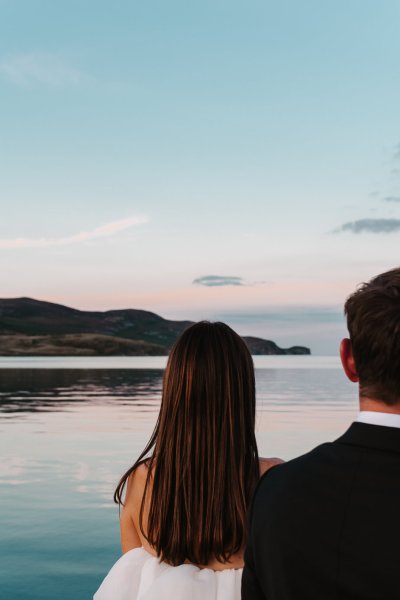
{"points": [[217, 159]]}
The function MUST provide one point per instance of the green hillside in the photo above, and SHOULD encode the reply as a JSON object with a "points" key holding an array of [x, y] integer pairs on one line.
{"points": [[33, 327]]}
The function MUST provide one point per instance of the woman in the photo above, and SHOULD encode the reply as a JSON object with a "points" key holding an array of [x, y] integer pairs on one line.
{"points": [[183, 523]]}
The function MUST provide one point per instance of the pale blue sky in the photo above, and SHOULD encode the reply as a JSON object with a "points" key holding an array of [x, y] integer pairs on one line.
{"points": [[148, 144]]}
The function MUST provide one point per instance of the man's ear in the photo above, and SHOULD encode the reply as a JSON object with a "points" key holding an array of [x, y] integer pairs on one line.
{"points": [[347, 358]]}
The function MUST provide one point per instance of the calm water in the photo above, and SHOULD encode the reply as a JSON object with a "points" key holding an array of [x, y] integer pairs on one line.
{"points": [[70, 427]]}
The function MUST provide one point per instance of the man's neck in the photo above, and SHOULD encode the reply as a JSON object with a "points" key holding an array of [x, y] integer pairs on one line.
{"points": [[372, 405]]}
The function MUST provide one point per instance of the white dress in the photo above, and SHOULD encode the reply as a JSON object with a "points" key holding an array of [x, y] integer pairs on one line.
{"points": [[138, 575]]}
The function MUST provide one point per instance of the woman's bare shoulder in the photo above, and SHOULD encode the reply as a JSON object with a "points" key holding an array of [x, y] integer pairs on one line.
{"points": [[129, 520], [135, 485], [267, 463]]}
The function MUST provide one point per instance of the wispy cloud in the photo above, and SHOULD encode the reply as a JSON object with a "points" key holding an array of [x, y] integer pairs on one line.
{"points": [[106, 230], [39, 68], [218, 280], [370, 226], [392, 199], [222, 280]]}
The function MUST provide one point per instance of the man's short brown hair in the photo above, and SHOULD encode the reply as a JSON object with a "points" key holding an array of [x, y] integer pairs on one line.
{"points": [[373, 321]]}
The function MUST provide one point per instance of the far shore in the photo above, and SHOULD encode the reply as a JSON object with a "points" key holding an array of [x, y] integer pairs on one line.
{"points": [[156, 362]]}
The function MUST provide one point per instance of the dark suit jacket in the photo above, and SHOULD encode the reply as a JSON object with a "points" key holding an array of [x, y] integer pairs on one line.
{"points": [[326, 526]]}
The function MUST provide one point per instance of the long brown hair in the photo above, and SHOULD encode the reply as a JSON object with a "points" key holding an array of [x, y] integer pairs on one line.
{"points": [[204, 465]]}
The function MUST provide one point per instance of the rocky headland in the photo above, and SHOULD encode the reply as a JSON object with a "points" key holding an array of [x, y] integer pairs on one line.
{"points": [[31, 327]]}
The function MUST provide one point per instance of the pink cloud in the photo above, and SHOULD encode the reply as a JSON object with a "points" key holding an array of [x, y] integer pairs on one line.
{"points": [[106, 230]]}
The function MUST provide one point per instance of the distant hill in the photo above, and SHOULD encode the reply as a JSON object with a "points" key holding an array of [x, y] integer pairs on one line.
{"points": [[32, 327], [76, 344]]}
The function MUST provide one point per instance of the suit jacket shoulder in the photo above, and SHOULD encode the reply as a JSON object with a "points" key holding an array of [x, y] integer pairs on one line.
{"points": [[325, 525]]}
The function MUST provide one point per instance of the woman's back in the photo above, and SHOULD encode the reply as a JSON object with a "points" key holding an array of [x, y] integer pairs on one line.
{"points": [[133, 537], [185, 505], [139, 575]]}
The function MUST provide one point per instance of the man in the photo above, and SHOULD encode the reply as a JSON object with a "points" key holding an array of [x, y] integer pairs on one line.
{"points": [[326, 526]]}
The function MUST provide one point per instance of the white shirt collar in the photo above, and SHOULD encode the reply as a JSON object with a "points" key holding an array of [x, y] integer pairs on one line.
{"points": [[378, 418]]}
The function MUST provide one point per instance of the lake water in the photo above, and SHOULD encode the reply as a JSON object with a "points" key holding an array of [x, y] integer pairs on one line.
{"points": [[70, 427]]}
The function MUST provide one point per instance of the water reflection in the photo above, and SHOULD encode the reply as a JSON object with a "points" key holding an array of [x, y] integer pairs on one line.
{"points": [[282, 389], [32, 390]]}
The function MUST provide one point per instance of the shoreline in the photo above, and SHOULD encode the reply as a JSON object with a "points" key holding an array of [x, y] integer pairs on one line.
{"points": [[159, 362]]}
